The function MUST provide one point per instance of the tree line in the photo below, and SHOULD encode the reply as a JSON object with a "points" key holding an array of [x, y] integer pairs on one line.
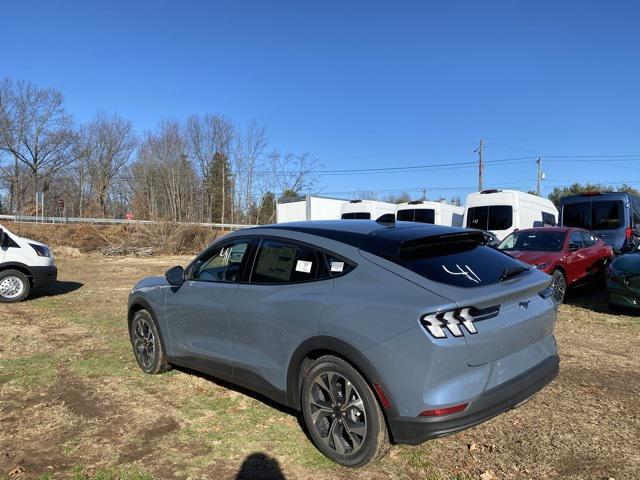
{"points": [[203, 169]]}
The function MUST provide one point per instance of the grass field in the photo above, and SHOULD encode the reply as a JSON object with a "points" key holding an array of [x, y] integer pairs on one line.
{"points": [[73, 403]]}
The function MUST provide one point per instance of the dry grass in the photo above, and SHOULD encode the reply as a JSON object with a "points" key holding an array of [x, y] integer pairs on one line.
{"points": [[73, 403], [165, 238]]}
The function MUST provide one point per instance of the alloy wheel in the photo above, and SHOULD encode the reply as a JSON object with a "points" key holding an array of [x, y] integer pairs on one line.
{"points": [[337, 412], [559, 285], [11, 287], [144, 342]]}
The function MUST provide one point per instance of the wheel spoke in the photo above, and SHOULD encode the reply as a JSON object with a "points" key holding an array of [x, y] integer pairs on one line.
{"points": [[336, 436], [357, 428]]}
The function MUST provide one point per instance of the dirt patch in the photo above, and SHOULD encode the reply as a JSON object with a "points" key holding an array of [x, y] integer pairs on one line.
{"points": [[146, 438]]}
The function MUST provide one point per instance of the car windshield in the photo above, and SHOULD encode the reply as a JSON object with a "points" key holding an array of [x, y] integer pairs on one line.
{"points": [[536, 240], [596, 215]]}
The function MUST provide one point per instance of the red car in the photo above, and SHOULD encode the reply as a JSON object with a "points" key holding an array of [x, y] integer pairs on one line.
{"points": [[570, 255]]}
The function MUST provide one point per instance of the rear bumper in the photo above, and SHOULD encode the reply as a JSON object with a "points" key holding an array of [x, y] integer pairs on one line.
{"points": [[499, 399], [44, 276]]}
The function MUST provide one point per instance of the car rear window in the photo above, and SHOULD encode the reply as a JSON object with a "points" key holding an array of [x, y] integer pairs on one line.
{"points": [[356, 216], [461, 260], [596, 215], [422, 215], [492, 217]]}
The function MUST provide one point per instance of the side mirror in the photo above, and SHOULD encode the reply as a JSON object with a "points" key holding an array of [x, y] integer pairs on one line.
{"points": [[2, 235], [175, 275]]}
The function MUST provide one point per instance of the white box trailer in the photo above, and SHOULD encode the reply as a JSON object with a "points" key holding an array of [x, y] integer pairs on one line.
{"points": [[436, 213], [309, 207], [368, 210], [503, 211]]}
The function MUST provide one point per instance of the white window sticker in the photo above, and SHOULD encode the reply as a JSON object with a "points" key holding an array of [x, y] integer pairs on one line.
{"points": [[303, 266], [337, 266]]}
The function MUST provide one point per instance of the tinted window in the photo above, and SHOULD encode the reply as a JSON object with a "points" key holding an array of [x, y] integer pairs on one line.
{"points": [[607, 215], [9, 243], [421, 215], [575, 240], [493, 217], [223, 265], [334, 266], [281, 262], [596, 215], [588, 239], [457, 262], [548, 219], [356, 216], [537, 240], [577, 215]]}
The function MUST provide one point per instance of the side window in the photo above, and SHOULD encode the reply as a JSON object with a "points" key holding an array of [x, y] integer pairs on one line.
{"points": [[9, 243], [223, 265], [334, 266], [282, 262], [588, 239], [548, 219], [575, 241]]}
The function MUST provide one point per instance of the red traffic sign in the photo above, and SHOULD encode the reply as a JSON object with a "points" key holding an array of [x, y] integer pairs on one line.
{"points": [[129, 216], [60, 203]]}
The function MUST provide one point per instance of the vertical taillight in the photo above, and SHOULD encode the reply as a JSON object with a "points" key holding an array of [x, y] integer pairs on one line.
{"points": [[628, 233]]}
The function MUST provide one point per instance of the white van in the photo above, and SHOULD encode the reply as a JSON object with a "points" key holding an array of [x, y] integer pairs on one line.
{"points": [[24, 264], [503, 211], [368, 210], [436, 213], [310, 207]]}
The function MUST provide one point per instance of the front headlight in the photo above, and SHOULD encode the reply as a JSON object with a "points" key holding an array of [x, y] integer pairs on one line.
{"points": [[40, 250], [541, 266]]}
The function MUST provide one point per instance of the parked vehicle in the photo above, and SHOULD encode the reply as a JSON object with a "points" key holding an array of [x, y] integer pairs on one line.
{"points": [[367, 210], [377, 332], [24, 264], [570, 255], [436, 213], [310, 207], [623, 281], [503, 211], [613, 216]]}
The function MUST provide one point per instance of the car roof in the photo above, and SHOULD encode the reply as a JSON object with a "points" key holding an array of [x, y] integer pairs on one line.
{"points": [[353, 232]]}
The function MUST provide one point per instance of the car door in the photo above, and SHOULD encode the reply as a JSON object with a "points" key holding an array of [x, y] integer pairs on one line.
{"points": [[593, 251], [197, 311], [577, 258], [276, 310]]}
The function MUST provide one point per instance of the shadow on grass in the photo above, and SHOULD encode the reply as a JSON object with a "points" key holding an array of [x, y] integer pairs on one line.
{"points": [[259, 466], [592, 297], [59, 288]]}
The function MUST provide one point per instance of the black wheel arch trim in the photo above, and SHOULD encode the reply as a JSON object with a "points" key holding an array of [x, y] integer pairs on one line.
{"points": [[9, 265], [331, 345], [136, 304]]}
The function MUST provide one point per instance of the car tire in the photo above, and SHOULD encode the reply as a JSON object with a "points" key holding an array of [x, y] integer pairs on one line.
{"points": [[14, 286], [147, 345], [559, 284], [341, 413]]}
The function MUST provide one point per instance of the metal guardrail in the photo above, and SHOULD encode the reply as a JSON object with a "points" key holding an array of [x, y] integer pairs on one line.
{"points": [[114, 221]]}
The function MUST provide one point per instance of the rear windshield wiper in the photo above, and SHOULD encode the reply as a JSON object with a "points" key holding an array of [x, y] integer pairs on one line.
{"points": [[511, 272]]}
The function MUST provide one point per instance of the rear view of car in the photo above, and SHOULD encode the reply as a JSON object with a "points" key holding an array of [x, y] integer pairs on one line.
{"points": [[375, 331], [613, 216]]}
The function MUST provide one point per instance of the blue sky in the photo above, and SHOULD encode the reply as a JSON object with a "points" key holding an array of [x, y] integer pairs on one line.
{"points": [[359, 84]]}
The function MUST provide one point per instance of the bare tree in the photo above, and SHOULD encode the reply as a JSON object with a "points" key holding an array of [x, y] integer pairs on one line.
{"points": [[293, 173], [36, 131], [209, 141], [249, 157], [107, 143]]}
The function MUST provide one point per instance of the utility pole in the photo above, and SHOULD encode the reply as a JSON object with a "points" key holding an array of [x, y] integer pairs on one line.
{"points": [[539, 176], [480, 151]]}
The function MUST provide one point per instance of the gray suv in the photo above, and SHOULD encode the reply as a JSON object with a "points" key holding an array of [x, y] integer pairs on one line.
{"points": [[376, 332]]}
